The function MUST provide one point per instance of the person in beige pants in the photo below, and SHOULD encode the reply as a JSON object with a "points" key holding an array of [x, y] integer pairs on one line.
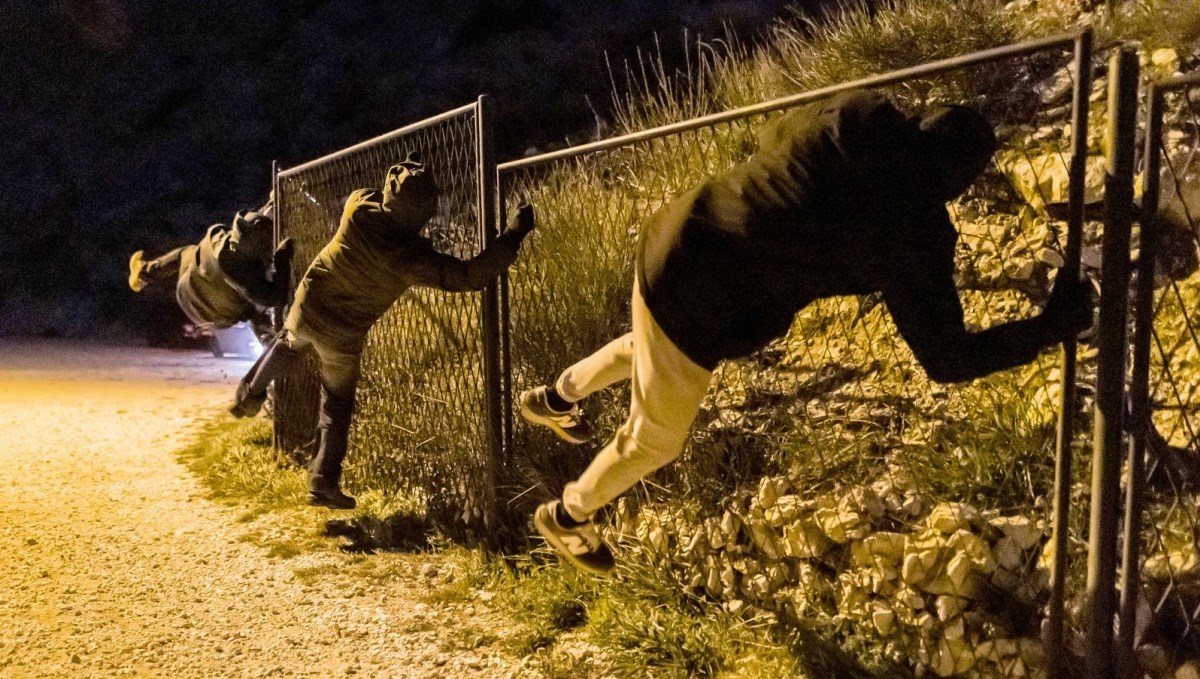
{"points": [[845, 196]]}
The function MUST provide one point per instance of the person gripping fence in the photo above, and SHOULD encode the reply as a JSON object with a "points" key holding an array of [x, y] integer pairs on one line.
{"points": [[376, 254]]}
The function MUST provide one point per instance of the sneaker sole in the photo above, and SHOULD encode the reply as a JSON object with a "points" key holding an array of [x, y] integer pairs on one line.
{"points": [[534, 418], [135, 271], [245, 409], [328, 504], [543, 529]]}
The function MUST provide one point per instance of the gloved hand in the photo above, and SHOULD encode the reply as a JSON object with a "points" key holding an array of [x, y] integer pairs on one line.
{"points": [[1069, 310], [284, 249], [282, 260], [282, 278], [521, 223]]}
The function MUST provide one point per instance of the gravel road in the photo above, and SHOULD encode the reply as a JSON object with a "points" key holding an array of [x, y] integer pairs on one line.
{"points": [[116, 564]]}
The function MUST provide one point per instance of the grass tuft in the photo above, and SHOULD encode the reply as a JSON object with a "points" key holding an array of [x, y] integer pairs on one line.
{"points": [[236, 461]]}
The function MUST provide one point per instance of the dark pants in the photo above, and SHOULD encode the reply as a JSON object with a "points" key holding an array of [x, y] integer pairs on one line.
{"points": [[339, 374], [165, 269]]}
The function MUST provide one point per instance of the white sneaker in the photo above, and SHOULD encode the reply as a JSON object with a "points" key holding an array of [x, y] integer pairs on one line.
{"points": [[569, 426], [580, 545], [135, 271]]}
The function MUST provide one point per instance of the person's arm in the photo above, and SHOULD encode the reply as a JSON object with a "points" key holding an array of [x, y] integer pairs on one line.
{"points": [[250, 280], [924, 304], [455, 275], [262, 287], [268, 208]]}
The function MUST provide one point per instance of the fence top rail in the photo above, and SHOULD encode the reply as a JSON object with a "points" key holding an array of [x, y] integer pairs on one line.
{"points": [[407, 129], [892, 77], [1178, 82]]}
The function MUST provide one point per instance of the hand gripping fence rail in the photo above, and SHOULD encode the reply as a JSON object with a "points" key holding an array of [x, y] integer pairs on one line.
{"points": [[422, 422], [840, 391]]}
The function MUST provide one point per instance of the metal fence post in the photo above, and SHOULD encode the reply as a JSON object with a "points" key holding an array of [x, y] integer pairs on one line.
{"points": [[1139, 386], [277, 312], [506, 408], [488, 225], [1110, 378], [276, 219], [1067, 400]]}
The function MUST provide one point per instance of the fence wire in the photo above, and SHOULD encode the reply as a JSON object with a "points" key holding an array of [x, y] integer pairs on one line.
{"points": [[418, 425], [1167, 629], [829, 453]]}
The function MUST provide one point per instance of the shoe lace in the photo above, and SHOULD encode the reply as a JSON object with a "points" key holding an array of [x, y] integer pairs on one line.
{"points": [[585, 534], [570, 418]]}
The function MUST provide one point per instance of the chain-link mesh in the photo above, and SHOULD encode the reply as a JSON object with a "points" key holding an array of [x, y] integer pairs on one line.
{"points": [[1169, 615], [418, 424], [829, 454]]}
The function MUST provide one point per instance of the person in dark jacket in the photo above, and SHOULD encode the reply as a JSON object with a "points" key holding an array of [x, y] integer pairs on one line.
{"points": [[233, 274], [843, 197], [377, 254]]}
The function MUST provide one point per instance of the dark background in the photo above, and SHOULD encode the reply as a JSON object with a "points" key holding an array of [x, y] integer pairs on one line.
{"points": [[132, 124]]}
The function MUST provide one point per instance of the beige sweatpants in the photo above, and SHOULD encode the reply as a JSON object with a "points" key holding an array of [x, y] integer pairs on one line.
{"points": [[666, 391]]}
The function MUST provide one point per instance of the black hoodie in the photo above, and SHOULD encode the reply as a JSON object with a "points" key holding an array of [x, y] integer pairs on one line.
{"points": [[845, 196], [226, 278]]}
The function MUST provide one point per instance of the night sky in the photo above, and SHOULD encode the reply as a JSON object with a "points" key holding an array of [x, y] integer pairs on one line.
{"points": [[135, 124]]}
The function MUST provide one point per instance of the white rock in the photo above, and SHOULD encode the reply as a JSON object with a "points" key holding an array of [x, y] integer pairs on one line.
{"points": [[1050, 257], [1024, 532], [883, 618], [1020, 272], [948, 607], [1166, 58], [947, 517], [974, 547], [878, 548], [769, 490], [787, 508], [841, 526], [804, 540]]}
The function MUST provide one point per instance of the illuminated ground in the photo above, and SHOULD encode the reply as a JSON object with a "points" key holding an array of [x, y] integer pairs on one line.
{"points": [[115, 564]]}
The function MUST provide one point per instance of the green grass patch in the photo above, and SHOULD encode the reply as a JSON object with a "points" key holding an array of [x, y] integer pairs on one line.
{"points": [[1155, 23], [236, 461]]}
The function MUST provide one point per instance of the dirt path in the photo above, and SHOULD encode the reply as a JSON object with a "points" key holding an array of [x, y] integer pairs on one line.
{"points": [[115, 564]]}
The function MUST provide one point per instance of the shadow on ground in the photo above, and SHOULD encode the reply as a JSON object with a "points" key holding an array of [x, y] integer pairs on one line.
{"points": [[400, 532]]}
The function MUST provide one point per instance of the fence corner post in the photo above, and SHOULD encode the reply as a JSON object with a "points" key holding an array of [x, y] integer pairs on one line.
{"points": [[1110, 377], [1067, 398], [489, 221]]}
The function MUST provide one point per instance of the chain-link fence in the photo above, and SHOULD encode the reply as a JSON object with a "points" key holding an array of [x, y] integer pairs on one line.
{"points": [[420, 424], [829, 454], [1160, 614], [826, 480]]}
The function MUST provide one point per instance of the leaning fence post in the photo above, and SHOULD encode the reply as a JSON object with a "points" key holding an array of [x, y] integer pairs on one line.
{"points": [[277, 312], [277, 219], [1110, 377], [1139, 385], [506, 409], [485, 168], [1066, 404]]}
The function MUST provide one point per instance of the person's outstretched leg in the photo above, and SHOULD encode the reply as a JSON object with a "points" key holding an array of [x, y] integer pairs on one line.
{"points": [[158, 270], [666, 390], [339, 381], [556, 406], [276, 361]]}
